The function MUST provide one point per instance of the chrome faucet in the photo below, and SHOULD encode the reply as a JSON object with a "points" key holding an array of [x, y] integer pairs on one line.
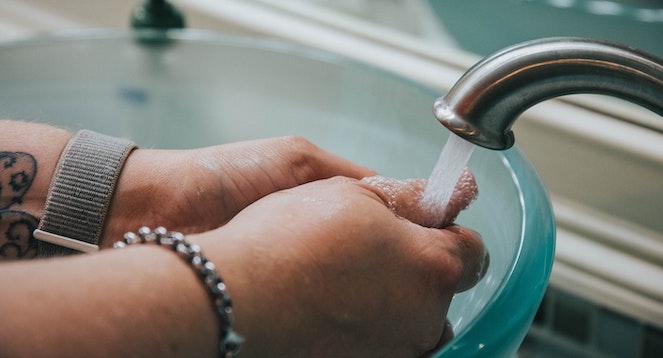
{"points": [[488, 98]]}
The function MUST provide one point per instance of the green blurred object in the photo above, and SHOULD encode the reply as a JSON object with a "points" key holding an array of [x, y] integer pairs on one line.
{"points": [[157, 14], [484, 27]]}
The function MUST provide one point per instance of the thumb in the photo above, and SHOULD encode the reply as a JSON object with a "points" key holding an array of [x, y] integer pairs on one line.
{"points": [[405, 198]]}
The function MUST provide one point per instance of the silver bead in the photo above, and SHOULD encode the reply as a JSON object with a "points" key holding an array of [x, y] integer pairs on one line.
{"points": [[194, 248], [160, 231], [182, 250], [177, 237], [209, 266], [197, 262], [221, 288], [145, 234], [144, 231], [232, 343], [130, 238]]}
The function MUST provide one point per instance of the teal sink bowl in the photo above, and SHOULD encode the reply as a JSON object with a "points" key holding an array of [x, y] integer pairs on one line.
{"points": [[199, 89]]}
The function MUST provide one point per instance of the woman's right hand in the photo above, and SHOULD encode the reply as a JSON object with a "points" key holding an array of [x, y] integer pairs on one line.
{"points": [[327, 269]]}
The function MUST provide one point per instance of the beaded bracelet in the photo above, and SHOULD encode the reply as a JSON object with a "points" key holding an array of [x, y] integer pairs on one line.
{"points": [[229, 341]]}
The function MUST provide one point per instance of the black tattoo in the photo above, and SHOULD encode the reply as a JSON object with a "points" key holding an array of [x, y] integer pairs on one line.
{"points": [[17, 241], [17, 173]]}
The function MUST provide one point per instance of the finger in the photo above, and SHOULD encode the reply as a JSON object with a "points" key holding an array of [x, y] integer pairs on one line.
{"points": [[309, 162], [465, 192], [471, 254], [405, 198], [446, 337]]}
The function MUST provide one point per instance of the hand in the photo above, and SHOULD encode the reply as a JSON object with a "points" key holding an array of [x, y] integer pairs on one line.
{"points": [[327, 270], [198, 190]]}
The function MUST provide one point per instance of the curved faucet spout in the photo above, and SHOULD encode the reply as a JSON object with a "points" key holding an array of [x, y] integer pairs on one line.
{"points": [[484, 103]]}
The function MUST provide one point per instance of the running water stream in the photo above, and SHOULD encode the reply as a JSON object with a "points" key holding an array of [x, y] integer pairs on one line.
{"points": [[453, 159]]}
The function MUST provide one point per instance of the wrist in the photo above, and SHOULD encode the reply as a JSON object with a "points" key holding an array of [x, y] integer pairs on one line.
{"points": [[149, 193], [169, 188], [137, 191], [229, 342]]}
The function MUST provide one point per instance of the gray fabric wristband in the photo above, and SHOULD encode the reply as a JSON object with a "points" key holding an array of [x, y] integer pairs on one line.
{"points": [[80, 194]]}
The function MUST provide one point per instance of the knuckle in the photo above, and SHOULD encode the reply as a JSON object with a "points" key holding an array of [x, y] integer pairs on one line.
{"points": [[297, 144], [303, 158]]}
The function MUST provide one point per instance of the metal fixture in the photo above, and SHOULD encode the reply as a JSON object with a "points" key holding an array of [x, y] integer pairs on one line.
{"points": [[488, 98]]}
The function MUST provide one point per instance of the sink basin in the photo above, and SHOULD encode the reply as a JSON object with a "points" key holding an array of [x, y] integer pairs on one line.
{"points": [[199, 89]]}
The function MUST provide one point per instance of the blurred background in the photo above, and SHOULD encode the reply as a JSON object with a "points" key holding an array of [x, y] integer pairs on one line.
{"points": [[600, 158]]}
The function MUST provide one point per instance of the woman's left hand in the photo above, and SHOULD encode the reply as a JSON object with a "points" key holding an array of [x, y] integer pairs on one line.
{"points": [[198, 190]]}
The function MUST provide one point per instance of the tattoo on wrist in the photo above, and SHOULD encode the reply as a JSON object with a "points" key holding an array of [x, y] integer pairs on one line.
{"points": [[17, 173]]}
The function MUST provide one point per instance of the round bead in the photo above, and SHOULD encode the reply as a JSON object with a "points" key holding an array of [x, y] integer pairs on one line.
{"points": [[161, 231], [183, 250], [197, 262], [209, 266], [130, 238]]}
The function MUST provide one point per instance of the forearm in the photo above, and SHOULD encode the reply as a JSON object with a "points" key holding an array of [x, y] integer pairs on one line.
{"points": [[140, 301], [29, 154]]}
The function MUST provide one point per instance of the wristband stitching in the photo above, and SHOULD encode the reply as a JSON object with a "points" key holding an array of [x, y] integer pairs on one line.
{"points": [[80, 194]]}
